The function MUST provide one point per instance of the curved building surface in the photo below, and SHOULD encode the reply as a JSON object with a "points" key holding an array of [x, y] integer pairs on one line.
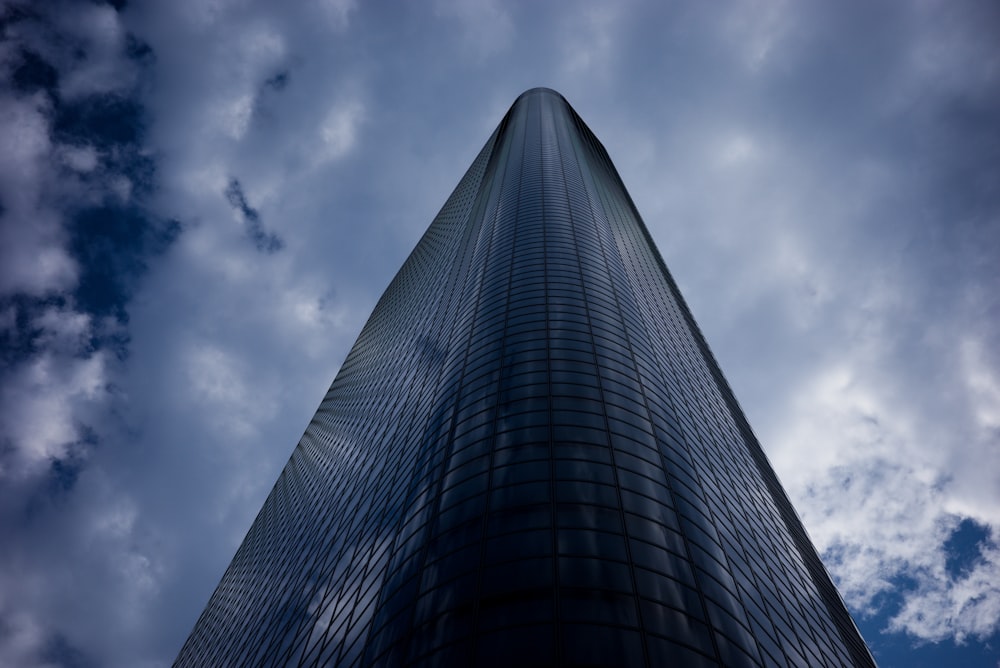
{"points": [[529, 457]]}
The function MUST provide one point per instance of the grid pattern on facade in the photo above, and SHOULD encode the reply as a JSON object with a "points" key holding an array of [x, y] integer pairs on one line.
{"points": [[529, 456]]}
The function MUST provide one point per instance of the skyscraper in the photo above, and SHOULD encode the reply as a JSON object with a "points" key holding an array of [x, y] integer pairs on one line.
{"points": [[529, 456]]}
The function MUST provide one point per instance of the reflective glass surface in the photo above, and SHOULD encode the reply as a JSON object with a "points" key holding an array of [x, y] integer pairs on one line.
{"points": [[529, 457]]}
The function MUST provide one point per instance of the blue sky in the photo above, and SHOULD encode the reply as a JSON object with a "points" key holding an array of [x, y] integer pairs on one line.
{"points": [[201, 201]]}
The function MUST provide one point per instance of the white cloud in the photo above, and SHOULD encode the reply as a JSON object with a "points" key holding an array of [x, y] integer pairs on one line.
{"points": [[871, 481], [337, 12], [23, 637], [44, 399], [755, 28], [31, 241], [25, 139], [737, 150], [101, 36], [983, 384], [33, 262], [233, 115], [961, 608], [338, 131], [79, 158], [206, 14], [221, 387], [238, 71], [63, 330]]}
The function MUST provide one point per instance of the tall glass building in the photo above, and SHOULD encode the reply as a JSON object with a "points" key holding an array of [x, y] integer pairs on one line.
{"points": [[529, 457]]}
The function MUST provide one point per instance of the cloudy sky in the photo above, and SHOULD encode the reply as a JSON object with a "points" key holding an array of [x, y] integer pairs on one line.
{"points": [[201, 201]]}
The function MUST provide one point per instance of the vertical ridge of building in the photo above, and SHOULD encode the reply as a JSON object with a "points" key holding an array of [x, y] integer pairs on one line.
{"points": [[530, 455]]}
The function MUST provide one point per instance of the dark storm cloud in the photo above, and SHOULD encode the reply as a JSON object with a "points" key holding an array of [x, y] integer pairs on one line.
{"points": [[266, 242]]}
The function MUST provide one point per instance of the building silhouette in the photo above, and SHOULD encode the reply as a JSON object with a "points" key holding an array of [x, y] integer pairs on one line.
{"points": [[529, 457]]}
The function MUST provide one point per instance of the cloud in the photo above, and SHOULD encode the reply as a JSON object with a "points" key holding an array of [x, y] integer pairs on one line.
{"points": [[339, 129], [982, 382], [960, 608], [42, 399], [755, 31], [76, 240], [97, 32], [31, 251], [874, 476], [821, 181], [337, 12], [265, 242], [844, 289]]}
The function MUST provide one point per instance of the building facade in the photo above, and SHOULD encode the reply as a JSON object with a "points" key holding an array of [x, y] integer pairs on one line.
{"points": [[529, 457]]}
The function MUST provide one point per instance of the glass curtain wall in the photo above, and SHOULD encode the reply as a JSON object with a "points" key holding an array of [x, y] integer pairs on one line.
{"points": [[529, 456]]}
